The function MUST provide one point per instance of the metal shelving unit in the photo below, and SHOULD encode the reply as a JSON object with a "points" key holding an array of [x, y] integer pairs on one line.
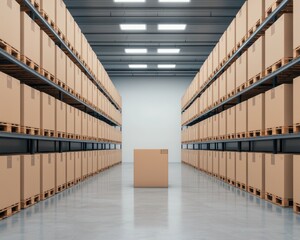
{"points": [[259, 31], [34, 14]]}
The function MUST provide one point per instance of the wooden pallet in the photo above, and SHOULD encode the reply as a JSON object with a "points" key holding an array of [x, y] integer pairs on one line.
{"points": [[241, 186], [287, 9], [30, 130], [255, 79], [10, 50], [297, 52], [241, 135], [47, 194], [48, 133], [277, 65], [215, 175], [9, 127], [296, 128], [60, 33], [256, 133], [61, 84], [60, 188], [255, 191], [231, 182], [48, 75], [70, 90], [70, 135], [47, 18], [297, 208], [84, 177], [30, 201], [231, 136], [230, 53], [70, 184], [9, 211], [60, 134], [78, 180], [278, 130], [232, 93], [254, 28], [27, 61], [242, 41], [283, 202], [224, 179]]}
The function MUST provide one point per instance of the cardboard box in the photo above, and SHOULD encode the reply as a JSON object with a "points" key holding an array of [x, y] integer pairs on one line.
{"points": [[242, 117], [95, 95], [30, 176], [242, 23], [242, 170], [296, 101], [279, 175], [78, 165], [205, 129], [60, 116], [256, 59], [99, 158], [296, 179], [256, 112], [70, 73], [47, 163], [90, 91], [70, 119], [30, 107], [60, 65], [222, 85], [223, 47], [84, 86], [61, 16], [241, 71], [84, 124], [231, 79], [47, 110], [204, 72], [9, 93], [231, 168], [84, 166], [279, 40], [77, 80], [231, 37], [256, 12], [95, 161], [209, 127], [215, 90], [78, 121], [10, 11], [95, 128], [215, 160], [47, 53], [148, 163], [223, 165], [256, 174], [78, 35], [210, 161], [30, 38], [269, 4], [279, 106], [89, 126], [70, 173], [60, 171], [84, 48], [231, 121], [95, 63], [209, 65], [215, 57], [48, 7], [10, 178], [215, 127], [210, 96], [70, 26], [296, 19], [203, 102]]}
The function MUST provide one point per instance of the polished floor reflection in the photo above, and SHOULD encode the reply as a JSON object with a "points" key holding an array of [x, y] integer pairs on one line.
{"points": [[195, 206]]}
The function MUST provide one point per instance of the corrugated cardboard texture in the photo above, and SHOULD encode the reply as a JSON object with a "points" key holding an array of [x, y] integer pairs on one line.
{"points": [[279, 40], [231, 36], [10, 11], [296, 101], [223, 164], [231, 166], [279, 175], [256, 113], [78, 164], [60, 169], [10, 180], [47, 171], [70, 166], [47, 112], [30, 176], [256, 11], [279, 106], [296, 179], [60, 116], [256, 171], [256, 58], [47, 53], [241, 70], [242, 168], [9, 93], [150, 168], [242, 22], [241, 117], [231, 78]]}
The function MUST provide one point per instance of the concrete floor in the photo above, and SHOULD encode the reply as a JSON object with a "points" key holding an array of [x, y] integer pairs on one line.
{"points": [[195, 206]]}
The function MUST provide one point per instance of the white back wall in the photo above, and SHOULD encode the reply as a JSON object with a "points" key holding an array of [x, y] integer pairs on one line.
{"points": [[151, 114]]}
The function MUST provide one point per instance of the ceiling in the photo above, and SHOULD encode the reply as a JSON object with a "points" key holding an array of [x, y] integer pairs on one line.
{"points": [[206, 21]]}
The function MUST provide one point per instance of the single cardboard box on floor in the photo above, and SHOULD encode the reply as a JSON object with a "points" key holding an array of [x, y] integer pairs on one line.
{"points": [[231, 168], [10, 179], [47, 175], [279, 178], [151, 168], [256, 174], [60, 172], [242, 170]]}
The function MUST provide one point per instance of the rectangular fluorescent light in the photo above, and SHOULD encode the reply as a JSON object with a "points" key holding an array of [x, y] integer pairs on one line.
{"points": [[136, 50], [168, 50], [171, 27], [174, 1], [166, 66], [125, 1], [133, 27], [138, 66]]}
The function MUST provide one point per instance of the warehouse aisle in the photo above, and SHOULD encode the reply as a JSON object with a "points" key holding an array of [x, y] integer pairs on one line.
{"points": [[195, 206]]}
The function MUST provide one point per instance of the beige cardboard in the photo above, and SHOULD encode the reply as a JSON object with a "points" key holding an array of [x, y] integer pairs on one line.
{"points": [[10, 168], [77, 38], [242, 22], [215, 57], [279, 40], [9, 93], [256, 171], [60, 16], [223, 164], [84, 86], [47, 53], [78, 165], [296, 20], [256, 11], [47, 109], [30, 176], [231, 78], [241, 70], [90, 91], [231, 36], [256, 112], [49, 8], [84, 48], [60, 116], [296, 101], [70, 119], [60, 65], [90, 125], [95, 161], [70, 26], [77, 80], [231, 120], [222, 123], [70, 173], [210, 127], [84, 124], [242, 168], [210, 161], [30, 107], [222, 85], [10, 11], [149, 163], [279, 106], [90, 162], [279, 175], [256, 58], [47, 163], [241, 117], [204, 157], [84, 167], [70, 73], [60, 169], [100, 159], [231, 166], [223, 47], [78, 121], [215, 90], [296, 179], [215, 125], [215, 160]]}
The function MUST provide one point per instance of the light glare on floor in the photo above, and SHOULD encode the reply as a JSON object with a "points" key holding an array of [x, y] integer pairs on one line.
{"points": [[138, 66], [134, 27], [168, 50], [171, 27], [136, 51], [166, 66]]}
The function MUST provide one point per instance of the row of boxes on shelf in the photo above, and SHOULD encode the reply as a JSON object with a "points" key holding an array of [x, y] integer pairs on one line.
{"points": [[271, 113], [274, 177], [26, 110], [28, 179], [38, 51], [267, 54]]}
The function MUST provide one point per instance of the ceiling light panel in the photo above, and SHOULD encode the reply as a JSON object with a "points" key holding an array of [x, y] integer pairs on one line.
{"points": [[166, 66], [168, 50], [136, 51], [171, 27], [138, 66], [133, 27]]}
